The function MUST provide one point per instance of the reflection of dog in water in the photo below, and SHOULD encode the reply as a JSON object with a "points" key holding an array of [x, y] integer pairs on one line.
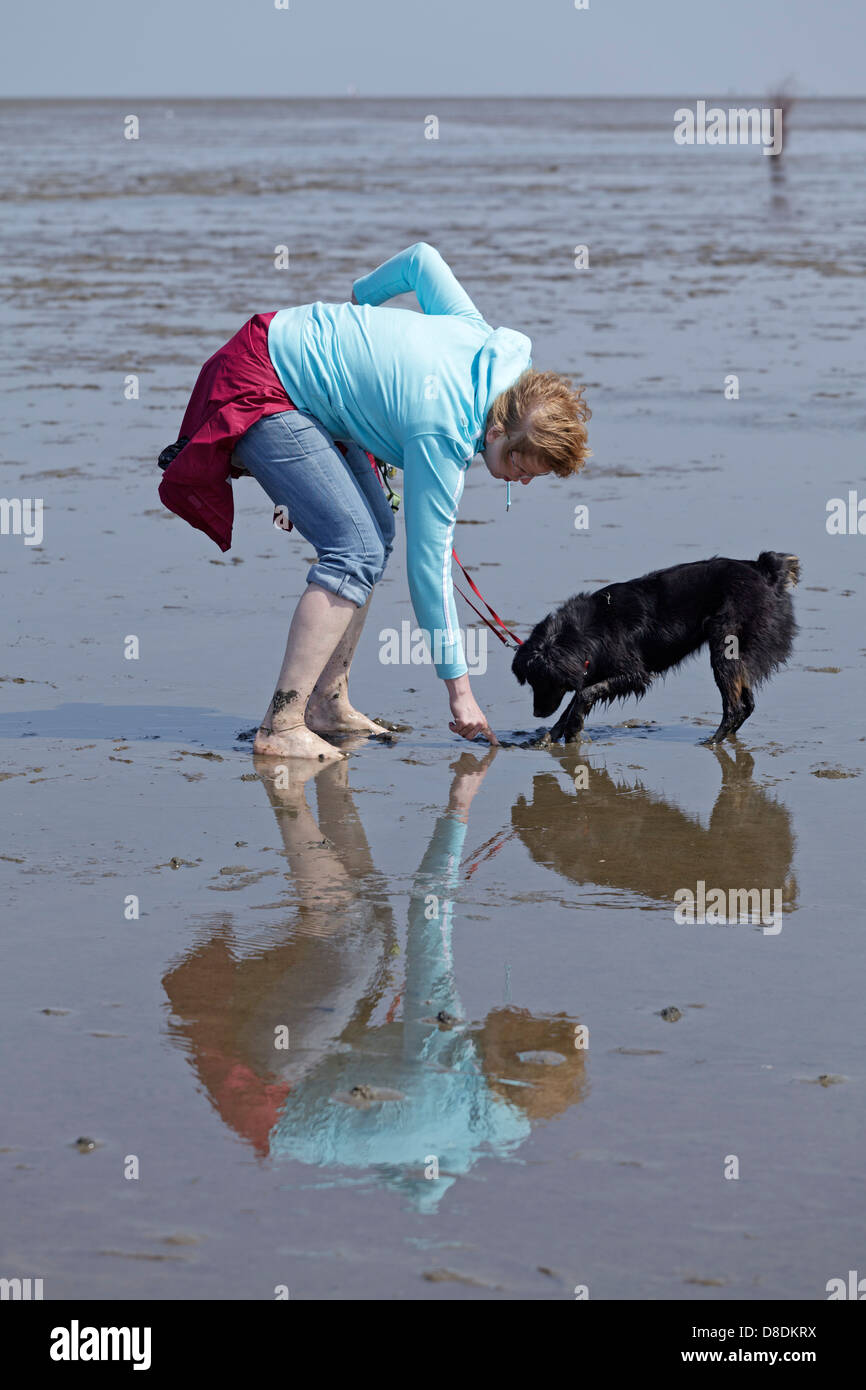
{"points": [[606, 645], [626, 837]]}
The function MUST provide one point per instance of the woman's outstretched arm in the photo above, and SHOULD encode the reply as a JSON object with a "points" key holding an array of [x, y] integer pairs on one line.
{"points": [[433, 478], [422, 269]]}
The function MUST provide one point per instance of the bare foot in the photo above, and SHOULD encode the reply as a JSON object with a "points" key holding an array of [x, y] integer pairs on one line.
{"points": [[296, 742], [329, 717]]}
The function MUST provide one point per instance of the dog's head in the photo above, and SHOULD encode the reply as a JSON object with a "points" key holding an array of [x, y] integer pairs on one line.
{"points": [[551, 662]]}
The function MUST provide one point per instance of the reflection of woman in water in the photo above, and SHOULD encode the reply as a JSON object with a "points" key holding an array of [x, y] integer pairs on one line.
{"points": [[369, 1081]]}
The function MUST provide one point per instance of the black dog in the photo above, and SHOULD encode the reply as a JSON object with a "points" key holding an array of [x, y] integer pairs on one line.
{"points": [[612, 643]]}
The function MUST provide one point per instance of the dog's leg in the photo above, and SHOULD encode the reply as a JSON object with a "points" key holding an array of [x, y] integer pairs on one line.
{"points": [[591, 693], [747, 707], [570, 722], [737, 699], [727, 726], [636, 682]]}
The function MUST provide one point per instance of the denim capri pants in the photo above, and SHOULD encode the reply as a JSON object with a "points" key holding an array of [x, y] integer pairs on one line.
{"points": [[336, 501]]}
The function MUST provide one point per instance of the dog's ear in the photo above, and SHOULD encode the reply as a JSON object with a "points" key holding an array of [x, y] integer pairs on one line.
{"points": [[520, 663], [531, 665], [566, 645], [532, 658]]}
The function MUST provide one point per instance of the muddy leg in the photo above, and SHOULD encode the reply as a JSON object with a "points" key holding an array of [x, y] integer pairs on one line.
{"points": [[318, 625], [570, 722], [329, 709], [747, 707], [737, 700]]}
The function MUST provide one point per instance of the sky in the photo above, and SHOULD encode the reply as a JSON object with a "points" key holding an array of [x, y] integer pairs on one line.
{"points": [[120, 48]]}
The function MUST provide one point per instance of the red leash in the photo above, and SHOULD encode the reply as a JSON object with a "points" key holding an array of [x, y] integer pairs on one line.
{"points": [[518, 641], [378, 468]]}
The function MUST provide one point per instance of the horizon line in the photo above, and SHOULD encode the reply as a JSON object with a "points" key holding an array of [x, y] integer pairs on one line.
{"points": [[436, 96]]}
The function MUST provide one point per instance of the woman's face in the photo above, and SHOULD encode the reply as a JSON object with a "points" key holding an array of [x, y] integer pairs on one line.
{"points": [[506, 464]]}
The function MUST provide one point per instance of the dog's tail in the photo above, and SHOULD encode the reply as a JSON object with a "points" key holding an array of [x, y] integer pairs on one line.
{"points": [[780, 571]]}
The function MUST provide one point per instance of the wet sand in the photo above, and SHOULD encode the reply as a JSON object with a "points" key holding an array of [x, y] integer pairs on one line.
{"points": [[431, 974]]}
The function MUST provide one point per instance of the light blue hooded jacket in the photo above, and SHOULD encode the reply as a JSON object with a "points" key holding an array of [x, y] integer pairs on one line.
{"points": [[414, 390]]}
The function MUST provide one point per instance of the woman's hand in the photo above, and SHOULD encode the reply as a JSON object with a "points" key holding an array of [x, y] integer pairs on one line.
{"points": [[468, 717]]}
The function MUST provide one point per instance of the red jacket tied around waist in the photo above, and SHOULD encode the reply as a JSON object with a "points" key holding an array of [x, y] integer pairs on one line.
{"points": [[235, 388]]}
